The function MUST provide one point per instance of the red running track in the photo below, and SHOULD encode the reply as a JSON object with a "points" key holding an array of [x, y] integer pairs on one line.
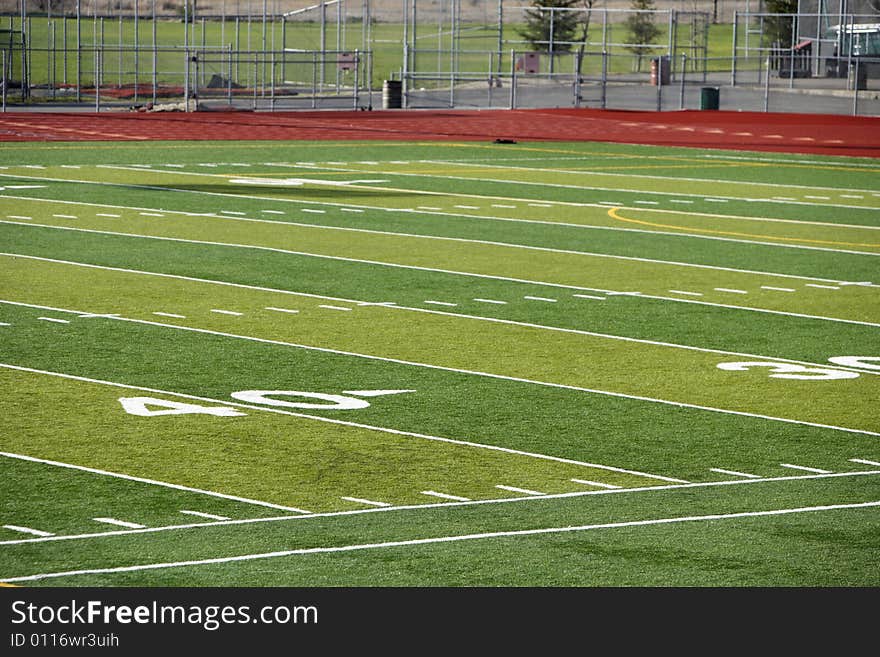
{"points": [[755, 131]]}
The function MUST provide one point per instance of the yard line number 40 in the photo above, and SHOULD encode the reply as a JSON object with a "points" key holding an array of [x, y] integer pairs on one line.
{"points": [[350, 401]]}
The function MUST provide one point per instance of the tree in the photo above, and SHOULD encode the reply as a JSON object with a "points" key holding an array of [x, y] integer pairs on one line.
{"points": [[554, 32], [548, 30], [641, 29], [779, 29]]}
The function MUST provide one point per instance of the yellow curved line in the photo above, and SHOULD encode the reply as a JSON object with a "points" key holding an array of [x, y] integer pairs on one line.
{"points": [[613, 214]]}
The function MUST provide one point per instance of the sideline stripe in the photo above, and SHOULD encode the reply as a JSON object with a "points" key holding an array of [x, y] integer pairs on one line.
{"points": [[445, 539], [153, 482], [443, 505]]}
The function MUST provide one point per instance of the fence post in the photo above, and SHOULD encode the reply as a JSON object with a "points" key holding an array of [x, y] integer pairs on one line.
{"points": [[733, 54], [5, 56], [513, 79], [186, 79], [98, 52], [856, 88], [604, 76], [767, 84], [357, 79], [681, 84]]}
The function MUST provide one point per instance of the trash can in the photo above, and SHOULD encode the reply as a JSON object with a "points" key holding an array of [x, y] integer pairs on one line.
{"points": [[661, 70], [392, 94], [858, 76], [709, 97]]}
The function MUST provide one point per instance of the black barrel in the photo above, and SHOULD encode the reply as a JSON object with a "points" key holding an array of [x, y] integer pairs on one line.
{"points": [[392, 94], [709, 98]]}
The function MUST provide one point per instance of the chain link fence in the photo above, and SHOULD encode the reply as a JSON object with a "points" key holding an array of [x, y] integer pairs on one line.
{"points": [[289, 54]]}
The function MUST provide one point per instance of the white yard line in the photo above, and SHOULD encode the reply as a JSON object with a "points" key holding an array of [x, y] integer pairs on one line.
{"points": [[445, 539], [347, 423], [409, 267], [529, 325], [561, 204], [454, 501], [152, 482], [471, 372]]}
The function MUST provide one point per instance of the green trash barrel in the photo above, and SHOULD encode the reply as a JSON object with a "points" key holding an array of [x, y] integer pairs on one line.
{"points": [[709, 97]]}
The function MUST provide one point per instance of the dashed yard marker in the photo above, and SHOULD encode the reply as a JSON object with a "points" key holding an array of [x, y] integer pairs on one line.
{"points": [[598, 484], [865, 462], [823, 287], [730, 290], [53, 319], [282, 310], [692, 294], [495, 301], [514, 489], [589, 296], [735, 473], [28, 530], [446, 496], [359, 500], [220, 311], [805, 468], [202, 514], [547, 299], [341, 308], [170, 315], [778, 289], [120, 523], [441, 303]]}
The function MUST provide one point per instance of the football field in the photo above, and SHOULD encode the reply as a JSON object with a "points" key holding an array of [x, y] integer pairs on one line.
{"points": [[437, 364]]}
